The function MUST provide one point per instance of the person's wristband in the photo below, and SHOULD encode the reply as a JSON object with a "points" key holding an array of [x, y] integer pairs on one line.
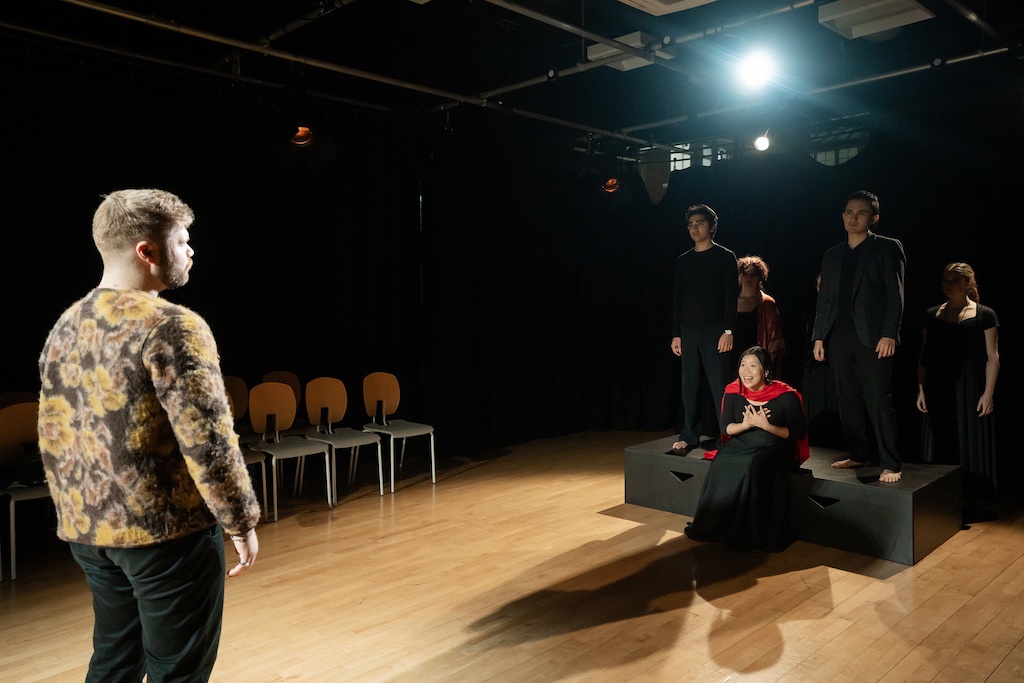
{"points": [[244, 538], [729, 332]]}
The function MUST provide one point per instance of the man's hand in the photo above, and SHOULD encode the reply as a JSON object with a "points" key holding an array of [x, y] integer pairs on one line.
{"points": [[725, 343], [886, 347], [819, 350], [677, 346], [247, 547]]}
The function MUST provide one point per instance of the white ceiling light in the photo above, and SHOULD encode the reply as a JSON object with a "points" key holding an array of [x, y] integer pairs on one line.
{"points": [[636, 39], [859, 18], [756, 70]]}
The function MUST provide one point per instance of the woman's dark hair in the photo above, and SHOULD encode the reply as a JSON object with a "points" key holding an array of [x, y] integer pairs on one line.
{"points": [[967, 273], [763, 357]]}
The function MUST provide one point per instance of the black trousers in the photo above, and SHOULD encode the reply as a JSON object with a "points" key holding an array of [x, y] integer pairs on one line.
{"points": [[158, 609], [864, 388], [700, 350]]}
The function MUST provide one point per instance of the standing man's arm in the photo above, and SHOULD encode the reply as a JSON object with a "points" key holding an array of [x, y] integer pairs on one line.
{"points": [[730, 288], [182, 359], [825, 299], [677, 298], [895, 267]]}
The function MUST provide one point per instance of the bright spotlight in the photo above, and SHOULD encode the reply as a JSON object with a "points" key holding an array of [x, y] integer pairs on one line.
{"points": [[761, 143], [757, 70]]}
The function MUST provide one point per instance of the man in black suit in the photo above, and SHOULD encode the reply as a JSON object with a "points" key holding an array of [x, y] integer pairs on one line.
{"points": [[857, 318]]}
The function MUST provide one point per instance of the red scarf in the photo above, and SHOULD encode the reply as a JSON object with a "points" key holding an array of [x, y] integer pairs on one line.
{"points": [[766, 393]]}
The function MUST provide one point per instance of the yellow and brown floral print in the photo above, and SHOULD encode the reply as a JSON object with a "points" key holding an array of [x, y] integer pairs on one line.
{"points": [[134, 427]]}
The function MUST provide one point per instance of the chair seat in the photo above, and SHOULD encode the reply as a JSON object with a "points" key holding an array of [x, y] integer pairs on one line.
{"points": [[289, 447], [296, 447], [400, 429], [343, 437], [28, 492]]}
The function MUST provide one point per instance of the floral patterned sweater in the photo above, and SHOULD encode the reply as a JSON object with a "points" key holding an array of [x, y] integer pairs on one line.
{"points": [[135, 432]]}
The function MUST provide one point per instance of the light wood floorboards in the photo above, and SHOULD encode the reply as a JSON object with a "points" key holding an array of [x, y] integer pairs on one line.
{"points": [[529, 568]]}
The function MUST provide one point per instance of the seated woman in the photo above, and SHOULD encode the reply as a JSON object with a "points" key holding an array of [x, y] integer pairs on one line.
{"points": [[745, 499], [758, 321]]}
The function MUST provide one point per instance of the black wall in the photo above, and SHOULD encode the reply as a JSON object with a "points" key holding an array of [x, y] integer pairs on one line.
{"points": [[514, 300]]}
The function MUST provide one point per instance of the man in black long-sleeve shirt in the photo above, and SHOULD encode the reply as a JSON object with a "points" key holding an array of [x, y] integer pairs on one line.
{"points": [[705, 288]]}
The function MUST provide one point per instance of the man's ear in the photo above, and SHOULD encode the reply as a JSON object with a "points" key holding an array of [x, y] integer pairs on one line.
{"points": [[874, 220], [148, 252]]}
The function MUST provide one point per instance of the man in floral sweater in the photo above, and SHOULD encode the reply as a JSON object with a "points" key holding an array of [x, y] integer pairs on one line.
{"points": [[139, 449]]}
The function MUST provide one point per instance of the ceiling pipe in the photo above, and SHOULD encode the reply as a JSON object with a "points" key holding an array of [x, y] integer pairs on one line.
{"points": [[986, 27], [191, 68], [742, 20], [551, 75], [581, 68], [643, 53], [622, 134], [322, 9], [271, 52], [817, 91]]}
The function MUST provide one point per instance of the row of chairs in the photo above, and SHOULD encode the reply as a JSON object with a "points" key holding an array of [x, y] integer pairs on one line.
{"points": [[272, 406]]}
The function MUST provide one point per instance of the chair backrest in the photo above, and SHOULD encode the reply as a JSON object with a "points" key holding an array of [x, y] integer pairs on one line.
{"points": [[9, 398], [18, 429], [289, 378], [381, 386], [329, 393], [238, 395], [271, 398]]}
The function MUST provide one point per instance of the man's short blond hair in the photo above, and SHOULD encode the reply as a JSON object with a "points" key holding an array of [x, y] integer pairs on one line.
{"points": [[127, 217]]}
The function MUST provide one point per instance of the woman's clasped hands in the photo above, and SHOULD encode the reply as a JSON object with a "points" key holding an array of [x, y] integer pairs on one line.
{"points": [[756, 416]]}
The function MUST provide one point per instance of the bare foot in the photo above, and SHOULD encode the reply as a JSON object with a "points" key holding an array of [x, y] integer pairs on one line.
{"points": [[848, 464], [680, 446], [889, 477]]}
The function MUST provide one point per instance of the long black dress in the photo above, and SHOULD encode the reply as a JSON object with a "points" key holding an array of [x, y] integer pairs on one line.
{"points": [[745, 499], [954, 357]]}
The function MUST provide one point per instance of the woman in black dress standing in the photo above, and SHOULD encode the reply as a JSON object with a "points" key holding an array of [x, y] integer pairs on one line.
{"points": [[745, 499], [956, 377]]}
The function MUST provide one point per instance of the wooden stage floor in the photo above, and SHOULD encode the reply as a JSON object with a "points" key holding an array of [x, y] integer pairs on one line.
{"points": [[529, 567]]}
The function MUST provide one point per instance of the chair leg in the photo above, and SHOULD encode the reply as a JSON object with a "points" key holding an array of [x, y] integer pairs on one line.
{"points": [[300, 474], [391, 441], [263, 477], [273, 466], [401, 460], [334, 471], [327, 478], [433, 465], [380, 469], [353, 463], [14, 566]]}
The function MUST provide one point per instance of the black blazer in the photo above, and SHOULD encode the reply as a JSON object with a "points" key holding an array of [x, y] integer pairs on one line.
{"points": [[877, 290]]}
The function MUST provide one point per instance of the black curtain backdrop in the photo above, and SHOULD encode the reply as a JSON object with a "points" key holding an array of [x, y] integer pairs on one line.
{"points": [[482, 264]]}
